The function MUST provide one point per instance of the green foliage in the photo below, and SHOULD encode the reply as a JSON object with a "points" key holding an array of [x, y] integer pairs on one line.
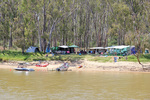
{"points": [[112, 41], [82, 22]]}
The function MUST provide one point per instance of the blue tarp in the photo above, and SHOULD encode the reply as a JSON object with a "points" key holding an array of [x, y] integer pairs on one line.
{"points": [[133, 50], [146, 51], [32, 49]]}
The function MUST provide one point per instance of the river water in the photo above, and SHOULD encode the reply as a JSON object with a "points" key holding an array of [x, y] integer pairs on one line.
{"points": [[51, 85]]}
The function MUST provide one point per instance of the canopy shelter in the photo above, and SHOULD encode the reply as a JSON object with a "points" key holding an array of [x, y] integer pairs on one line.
{"points": [[32, 49], [64, 46], [118, 49], [63, 49], [98, 49], [72, 48]]}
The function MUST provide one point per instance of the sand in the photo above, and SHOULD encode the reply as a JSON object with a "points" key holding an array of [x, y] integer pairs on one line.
{"points": [[86, 66]]}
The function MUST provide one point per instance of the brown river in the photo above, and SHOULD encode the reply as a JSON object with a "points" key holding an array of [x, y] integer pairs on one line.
{"points": [[51, 85]]}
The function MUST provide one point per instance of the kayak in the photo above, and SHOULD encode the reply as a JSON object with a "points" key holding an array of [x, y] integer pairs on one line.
{"points": [[42, 65]]}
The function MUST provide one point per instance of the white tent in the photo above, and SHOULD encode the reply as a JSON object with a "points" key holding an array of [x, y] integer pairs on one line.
{"points": [[120, 47], [117, 47], [63, 46], [98, 48]]}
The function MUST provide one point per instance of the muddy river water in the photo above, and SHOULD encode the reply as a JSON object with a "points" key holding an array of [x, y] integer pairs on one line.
{"points": [[69, 85]]}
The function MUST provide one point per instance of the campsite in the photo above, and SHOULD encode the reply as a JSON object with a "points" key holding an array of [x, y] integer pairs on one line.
{"points": [[74, 49], [66, 53], [101, 58]]}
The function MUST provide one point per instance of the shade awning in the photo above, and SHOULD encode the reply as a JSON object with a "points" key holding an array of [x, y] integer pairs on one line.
{"points": [[73, 46], [98, 48], [63, 46], [54, 48], [120, 47]]}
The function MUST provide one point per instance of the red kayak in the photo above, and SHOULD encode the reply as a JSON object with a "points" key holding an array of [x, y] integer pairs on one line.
{"points": [[42, 65]]}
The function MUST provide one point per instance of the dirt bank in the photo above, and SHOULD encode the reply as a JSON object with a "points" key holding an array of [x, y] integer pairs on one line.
{"points": [[86, 66]]}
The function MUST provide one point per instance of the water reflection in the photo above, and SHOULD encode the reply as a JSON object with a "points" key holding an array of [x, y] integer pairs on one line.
{"points": [[21, 72], [73, 85]]}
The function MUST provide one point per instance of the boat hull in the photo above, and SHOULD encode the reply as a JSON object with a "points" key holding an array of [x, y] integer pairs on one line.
{"points": [[61, 69], [42, 65], [24, 69]]}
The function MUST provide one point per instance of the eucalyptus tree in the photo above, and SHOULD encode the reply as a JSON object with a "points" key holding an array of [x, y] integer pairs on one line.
{"points": [[121, 18], [12, 5], [21, 25], [85, 23], [4, 22], [36, 11], [140, 29], [57, 12], [81, 27]]}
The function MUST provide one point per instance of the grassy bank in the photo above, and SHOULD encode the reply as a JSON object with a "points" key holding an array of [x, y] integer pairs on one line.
{"points": [[18, 56], [132, 58]]}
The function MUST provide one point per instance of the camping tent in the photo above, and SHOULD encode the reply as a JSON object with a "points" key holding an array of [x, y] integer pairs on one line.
{"points": [[32, 49], [146, 51], [48, 50], [54, 48]]}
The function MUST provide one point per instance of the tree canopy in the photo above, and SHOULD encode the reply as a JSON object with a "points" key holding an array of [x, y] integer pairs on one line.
{"points": [[85, 23]]}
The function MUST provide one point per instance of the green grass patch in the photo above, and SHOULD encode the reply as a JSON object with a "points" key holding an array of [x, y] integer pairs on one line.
{"points": [[18, 56], [100, 59], [132, 58]]}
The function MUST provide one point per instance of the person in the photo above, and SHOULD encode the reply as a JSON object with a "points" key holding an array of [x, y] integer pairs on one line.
{"points": [[116, 53], [79, 53], [52, 54], [126, 58]]}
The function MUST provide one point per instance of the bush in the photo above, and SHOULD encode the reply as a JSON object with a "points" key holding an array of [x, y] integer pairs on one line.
{"points": [[147, 56], [132, 57], [1, 59]]}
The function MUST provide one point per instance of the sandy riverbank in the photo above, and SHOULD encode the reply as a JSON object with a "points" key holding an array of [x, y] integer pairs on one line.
{"points": [[87, 66]]}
